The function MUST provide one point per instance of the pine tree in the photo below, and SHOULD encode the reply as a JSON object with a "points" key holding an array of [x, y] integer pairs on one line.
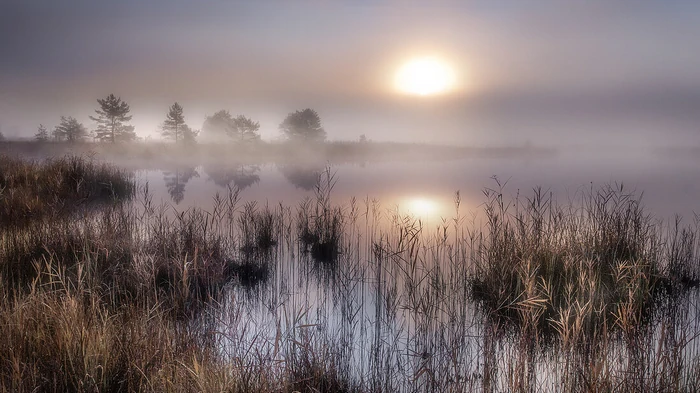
{"points": [[70, 130], [173, 125], [41, 134], [112, 115]]}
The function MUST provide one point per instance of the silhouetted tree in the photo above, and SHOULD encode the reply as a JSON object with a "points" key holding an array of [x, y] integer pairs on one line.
{"points": [[42, 135], [177, 180], [70, 130], [57, 136], [220, 125], [174, 121], [247, 129], [2, 136], [240, 128], [189, 136], [303, 126], [112, 115]]}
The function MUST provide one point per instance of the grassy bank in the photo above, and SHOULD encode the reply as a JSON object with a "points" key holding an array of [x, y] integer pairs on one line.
{"points": [[31, 190], [591, 295]]}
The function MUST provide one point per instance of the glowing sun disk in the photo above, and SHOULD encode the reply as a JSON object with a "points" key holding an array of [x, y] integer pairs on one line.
{"points": [[424, 76]]}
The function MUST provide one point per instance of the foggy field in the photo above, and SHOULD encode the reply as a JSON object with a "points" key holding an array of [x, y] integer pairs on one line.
{"points": [[525, 293]]}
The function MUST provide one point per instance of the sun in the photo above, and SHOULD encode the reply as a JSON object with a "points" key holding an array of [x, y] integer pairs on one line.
{"points": [[425, 76]]}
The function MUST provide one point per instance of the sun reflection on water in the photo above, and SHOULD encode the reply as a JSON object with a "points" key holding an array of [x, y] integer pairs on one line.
{"points": [[422, 206]]}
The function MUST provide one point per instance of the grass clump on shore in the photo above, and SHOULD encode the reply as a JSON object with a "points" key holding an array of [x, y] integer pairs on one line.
{"points": [[114, 299], [30, 190]]}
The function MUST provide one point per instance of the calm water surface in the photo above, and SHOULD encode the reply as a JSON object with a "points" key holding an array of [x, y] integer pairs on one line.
{"points": [[668, 185], [350, 310]]}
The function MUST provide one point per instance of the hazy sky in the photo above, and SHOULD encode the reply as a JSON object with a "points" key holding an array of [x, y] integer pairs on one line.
{"points": [[547, 72]]}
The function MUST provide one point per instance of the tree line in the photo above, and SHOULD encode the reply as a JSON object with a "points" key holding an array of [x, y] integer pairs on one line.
{"points": [[113, 117]]}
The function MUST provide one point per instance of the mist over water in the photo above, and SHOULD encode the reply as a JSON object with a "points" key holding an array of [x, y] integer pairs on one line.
{"points": [[668, 186]]}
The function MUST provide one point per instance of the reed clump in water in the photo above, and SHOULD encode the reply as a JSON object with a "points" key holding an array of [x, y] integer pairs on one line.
{"points": [[259, 230], [576, 272], [320, 223]]}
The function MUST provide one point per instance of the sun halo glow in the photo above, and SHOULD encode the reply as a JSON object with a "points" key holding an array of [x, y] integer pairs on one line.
{"points": [[424, 76], [422, 206]]}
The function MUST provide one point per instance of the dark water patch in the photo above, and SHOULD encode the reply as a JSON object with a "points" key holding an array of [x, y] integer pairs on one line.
{"points": [[250, 274]]}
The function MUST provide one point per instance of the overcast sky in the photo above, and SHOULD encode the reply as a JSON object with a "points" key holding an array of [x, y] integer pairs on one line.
{"points": [[544, 72]]}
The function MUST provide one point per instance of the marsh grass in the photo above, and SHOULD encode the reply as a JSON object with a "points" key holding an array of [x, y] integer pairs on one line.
{"points": [[593, 295], [575, 274], [117, 299], [320, 223], [32, 190]]}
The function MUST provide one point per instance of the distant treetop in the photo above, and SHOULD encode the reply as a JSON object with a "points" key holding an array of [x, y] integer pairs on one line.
{"points": [[42, 135], [303, 126], [222, 126], [174, 126], [112, 116], [70, 130]]}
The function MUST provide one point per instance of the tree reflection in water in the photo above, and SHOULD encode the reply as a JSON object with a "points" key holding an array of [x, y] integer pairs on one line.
{"points": [[304, 176], [242, 176], [176, 181]]}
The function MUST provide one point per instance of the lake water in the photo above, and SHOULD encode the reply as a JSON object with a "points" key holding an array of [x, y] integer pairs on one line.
{"points": [[404, 320], [669, 183]]}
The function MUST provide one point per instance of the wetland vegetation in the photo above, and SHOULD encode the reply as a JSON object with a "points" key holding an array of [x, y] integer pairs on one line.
{"points": [[103, 289]]}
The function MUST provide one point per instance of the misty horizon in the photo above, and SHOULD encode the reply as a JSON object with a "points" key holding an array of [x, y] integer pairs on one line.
{"points": [[547, 74]]}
